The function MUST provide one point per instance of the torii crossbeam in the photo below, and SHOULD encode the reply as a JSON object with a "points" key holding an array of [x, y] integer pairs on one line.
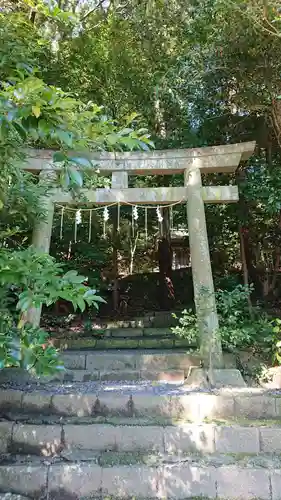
{"points": [[191, 162]]}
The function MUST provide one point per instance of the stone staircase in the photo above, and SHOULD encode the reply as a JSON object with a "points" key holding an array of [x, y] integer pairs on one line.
{"points": [[149, 332], [124, 423], [171, 366], [82, 441]]}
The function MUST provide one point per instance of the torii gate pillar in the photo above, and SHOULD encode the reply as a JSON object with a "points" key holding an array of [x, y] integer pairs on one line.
{"points": [[210, 344]]}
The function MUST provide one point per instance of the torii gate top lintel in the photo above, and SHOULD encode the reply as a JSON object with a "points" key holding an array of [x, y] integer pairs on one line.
{"points": [[208, 159]]}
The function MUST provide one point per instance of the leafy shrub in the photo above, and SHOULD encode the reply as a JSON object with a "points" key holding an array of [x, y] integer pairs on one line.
{"points": [[238, 328], [30, 279]]}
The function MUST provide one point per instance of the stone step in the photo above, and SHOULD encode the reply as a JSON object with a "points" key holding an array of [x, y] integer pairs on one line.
{"points": [[150, 477], [125, 342], [11, 496], [127, 361], [66, 438], [142, 399], [158, 319], [169, 376]]}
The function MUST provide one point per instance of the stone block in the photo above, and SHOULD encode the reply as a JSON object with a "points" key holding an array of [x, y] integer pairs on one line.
{"points": [[10, 399], [157, 332], [127, 332], [111, 361], [255, 406], [278, 406], [276, 484], [183, 343], [185, 407], [129, 481], [242, 484], [270, 440], [226, 377], [237, 439], [79, 343], [137, 438], [185, 481], [74, 361], [145, 405], [166, 361], [38, 402], [5, 436], [169, 376], [229, 360], [143, 322], [97, 437], [80, 405], [117, 375], [11, 496], [30, 480], [85, 375], [112, 404], [197, 377], [189, 438], [215, 406], [198, 406], [165, 320], [42, 440], [111, 343], [151, 361], [76, 481], [155, 343]]}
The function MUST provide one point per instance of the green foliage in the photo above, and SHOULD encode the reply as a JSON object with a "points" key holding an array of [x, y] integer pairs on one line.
{"points": [[29, 349], [37, 279], [34, 279], [238, 328]]}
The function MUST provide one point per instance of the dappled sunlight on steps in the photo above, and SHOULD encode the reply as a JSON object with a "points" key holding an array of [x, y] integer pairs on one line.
{"points": [[123, 440]]}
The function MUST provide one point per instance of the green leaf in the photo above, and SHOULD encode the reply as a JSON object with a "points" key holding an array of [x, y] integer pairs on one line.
{"points": [[44, 127], [20, 130], [64, 179], [75, 176], [112, 139], [83, 162], [125, 131], [96, 298], [64, 137], [36, 111], [24, 304], [81, 303], [59, 157], [74, 277]]}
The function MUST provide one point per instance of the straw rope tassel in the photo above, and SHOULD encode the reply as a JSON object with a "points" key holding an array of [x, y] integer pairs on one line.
{"points": [[75, 229], [105, 219]]}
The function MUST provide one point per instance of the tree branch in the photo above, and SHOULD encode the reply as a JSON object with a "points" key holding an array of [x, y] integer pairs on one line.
{"points": [[92, 10]]}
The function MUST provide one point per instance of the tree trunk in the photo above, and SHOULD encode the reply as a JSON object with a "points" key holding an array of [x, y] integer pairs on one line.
{"points": [[245, 267], [166, 289]]}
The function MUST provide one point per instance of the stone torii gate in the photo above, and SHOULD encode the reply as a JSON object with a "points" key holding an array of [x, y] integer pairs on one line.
{"points": [[191, 162]]}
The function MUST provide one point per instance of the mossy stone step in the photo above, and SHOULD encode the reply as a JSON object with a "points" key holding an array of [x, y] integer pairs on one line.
{"points": [[138, 342]]}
